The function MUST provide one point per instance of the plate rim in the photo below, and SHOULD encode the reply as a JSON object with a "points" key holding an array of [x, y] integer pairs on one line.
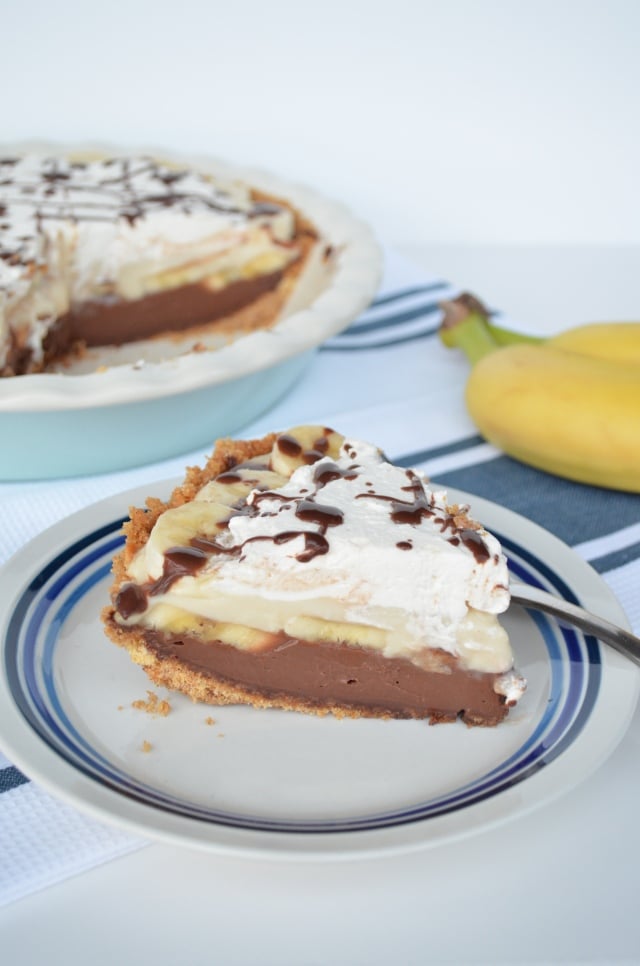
{"points": [[355, 281], [29, 752]]}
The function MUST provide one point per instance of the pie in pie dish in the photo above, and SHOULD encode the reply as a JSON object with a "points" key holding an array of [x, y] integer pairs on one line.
{"points": [[118, 250], [305, 571]]}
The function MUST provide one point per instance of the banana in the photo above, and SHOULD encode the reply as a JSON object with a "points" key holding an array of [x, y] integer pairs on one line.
{"points": [[175, 620], [571, 415], [317, 629], [245, 638], [176, 528], [568, 413], [242, 480], [615, 341]]}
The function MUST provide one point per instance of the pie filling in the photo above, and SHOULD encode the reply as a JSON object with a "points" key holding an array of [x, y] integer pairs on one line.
{"points": [[305, 571], [112, 321]]}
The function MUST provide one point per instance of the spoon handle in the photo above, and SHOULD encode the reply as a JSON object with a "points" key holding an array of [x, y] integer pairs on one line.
{"points": [[617, 637]]}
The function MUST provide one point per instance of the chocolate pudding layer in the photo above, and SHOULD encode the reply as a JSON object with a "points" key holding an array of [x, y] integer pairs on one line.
{"points": [[114, 321], [322, 676]]}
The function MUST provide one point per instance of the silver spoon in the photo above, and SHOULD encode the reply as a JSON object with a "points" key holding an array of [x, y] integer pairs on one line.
{"points": [[617, 637]]}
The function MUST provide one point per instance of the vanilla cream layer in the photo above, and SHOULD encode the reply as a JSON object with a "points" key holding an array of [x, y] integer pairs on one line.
{"points": [[73, 232], [348, 548]]}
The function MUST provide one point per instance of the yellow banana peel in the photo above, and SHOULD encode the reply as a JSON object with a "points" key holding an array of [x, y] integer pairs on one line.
{"points": [[616, 341], [572, 413]]}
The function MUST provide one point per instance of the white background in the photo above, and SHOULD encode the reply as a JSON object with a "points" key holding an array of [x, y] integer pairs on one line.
{"points": [[494, 121]]}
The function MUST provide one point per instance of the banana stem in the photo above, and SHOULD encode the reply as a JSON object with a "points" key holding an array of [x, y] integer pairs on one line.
{"points": [[459, 311], [507, 337], [464, 326]]}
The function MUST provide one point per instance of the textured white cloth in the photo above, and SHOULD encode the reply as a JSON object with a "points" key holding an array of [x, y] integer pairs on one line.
{"points": [[388, 380]]}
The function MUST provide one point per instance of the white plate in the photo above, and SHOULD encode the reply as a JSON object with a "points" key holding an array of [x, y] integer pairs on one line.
{"points": [[123, 413], [280, 783]]}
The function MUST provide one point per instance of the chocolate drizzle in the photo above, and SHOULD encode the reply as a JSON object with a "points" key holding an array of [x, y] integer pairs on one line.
{"points": [[290, 446], [130, 600], [324, 516], [412, 512], [331, 471], [178, 562], [115, 189], [420, 505], [315, 544]]}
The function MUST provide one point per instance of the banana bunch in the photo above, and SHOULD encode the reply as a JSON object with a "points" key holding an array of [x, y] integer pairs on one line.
{"points": [[569, 404]]}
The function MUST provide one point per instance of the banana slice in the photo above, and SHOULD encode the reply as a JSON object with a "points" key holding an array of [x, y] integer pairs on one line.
{"points": [[336, 632], [245, 638], [233, 487], [175, 620], [303, 445], [175, 528]]}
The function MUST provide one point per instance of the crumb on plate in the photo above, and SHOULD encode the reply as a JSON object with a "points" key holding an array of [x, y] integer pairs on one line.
{"points": [[153, 705]]}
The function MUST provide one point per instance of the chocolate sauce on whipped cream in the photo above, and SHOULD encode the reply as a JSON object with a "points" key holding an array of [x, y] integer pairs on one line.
{"points": [[178, 562], [119, 189], [421, 507], [189, 560]]}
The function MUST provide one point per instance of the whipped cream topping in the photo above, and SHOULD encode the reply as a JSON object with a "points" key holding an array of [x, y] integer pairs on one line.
{"points": [[353, 540], [75, 230], [386, 531]]}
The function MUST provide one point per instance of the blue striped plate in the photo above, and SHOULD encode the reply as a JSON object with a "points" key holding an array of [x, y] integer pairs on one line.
{"points": [[271, 782]]}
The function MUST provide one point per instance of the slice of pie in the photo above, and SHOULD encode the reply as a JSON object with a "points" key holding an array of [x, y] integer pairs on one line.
{"points": [[123, 249], [304, 571]]}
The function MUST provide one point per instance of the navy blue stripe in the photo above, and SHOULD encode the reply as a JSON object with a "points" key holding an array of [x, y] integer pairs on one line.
{"points": [[10, 778], [422, 455], [55, 565], [617, 558], [406, 293], [335, 346], [30, 594], [574, 512], [390, 321]]}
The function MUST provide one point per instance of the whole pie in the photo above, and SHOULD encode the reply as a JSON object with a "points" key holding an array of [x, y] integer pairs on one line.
{"points": [[305, 571], [117, 250]]}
